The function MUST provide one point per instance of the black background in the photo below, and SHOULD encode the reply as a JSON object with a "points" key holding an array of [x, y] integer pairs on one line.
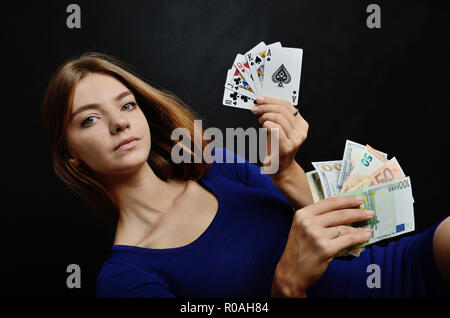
{"points": [[388, 87]]}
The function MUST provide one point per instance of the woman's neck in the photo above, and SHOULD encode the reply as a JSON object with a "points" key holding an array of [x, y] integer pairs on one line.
{"points": [[142, 197]]}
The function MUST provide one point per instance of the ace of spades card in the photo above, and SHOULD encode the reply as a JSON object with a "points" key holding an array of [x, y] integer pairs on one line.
{"points": [[282, 71]]}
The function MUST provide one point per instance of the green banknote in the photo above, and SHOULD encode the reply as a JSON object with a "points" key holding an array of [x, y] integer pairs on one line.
{"points": [[392, 204]]}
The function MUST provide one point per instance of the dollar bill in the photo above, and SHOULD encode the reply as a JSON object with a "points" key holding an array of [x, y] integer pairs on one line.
{"points": [[392, 203], [328, 172], [315, 185], [352, 151], [366, 162]]}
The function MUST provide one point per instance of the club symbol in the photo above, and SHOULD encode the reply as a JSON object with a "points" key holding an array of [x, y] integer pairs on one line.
{"points": [[244, 98], [281, 75], [234, 96], [237, 81]]}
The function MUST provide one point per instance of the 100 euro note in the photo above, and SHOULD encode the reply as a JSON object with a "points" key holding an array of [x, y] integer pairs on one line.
{"points": [[392, 203], [364, 163]]}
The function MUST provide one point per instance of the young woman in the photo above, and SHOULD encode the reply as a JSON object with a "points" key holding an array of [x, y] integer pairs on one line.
{"points": [[220, 229]]}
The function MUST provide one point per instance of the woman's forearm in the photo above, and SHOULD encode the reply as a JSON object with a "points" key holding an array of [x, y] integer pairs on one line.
{"points": [[292, 182], [441, 245]]}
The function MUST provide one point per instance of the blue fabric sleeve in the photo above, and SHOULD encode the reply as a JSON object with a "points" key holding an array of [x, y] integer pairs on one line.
{"points": [[126, 282], [408, 269], [244, 171]]}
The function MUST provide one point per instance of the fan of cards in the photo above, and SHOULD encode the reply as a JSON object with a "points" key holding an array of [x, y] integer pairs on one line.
{"points": [[364, 171], [265, 70]]}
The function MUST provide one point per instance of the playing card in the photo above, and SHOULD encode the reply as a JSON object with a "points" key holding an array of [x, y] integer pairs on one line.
{"points": [[234, 99], [242, 65], [258, 50], [256, 58], [236, 82], [282, 70]]}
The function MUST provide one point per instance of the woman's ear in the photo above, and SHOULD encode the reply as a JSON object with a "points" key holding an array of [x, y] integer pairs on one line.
{"points": [[75, 161]]}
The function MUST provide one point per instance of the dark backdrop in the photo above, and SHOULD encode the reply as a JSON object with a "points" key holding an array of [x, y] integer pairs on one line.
{"points": [[388, 87]]}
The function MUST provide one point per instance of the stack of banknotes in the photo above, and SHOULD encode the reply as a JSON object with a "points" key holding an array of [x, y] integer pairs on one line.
{"points": [[364, 171]]}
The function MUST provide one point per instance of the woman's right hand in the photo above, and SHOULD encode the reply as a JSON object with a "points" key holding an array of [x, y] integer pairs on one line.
{"points": [[318, 233]]}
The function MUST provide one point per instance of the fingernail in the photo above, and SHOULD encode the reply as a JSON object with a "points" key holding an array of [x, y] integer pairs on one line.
{"points": [[369, 213], [360, 199], [254, 108], [260, 99]]}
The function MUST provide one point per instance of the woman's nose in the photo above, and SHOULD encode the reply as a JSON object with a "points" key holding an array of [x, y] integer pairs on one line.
{"points": [[119, 123]]}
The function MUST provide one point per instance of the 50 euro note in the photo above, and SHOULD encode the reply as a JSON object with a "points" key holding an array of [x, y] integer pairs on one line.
{"points": [[392, 203], [352, 153], [391, 170], [365, 162]]}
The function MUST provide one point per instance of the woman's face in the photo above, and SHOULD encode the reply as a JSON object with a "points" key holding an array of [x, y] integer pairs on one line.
{"points": [[95, 132]]}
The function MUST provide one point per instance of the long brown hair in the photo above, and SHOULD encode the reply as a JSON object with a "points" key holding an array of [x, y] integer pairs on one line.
{"points": [[163, 110]]}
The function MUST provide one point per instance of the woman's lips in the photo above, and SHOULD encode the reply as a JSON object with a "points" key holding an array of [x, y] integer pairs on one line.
{"points": [[128, 145]]}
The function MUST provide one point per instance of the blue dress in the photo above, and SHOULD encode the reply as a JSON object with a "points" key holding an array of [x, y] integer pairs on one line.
{"points": [[237, 254]]}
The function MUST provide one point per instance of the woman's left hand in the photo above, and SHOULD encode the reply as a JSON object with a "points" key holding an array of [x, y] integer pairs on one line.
{"points": [[293, 129]]}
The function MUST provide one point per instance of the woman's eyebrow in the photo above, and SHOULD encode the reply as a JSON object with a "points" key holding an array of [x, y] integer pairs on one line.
{"points": [[97, 105]]}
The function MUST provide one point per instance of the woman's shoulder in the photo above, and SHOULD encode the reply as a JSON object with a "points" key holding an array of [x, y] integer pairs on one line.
{"points": [[230, 164]]}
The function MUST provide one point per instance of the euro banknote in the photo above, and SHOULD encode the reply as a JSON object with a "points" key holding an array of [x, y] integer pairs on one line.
{"points": [[392, 203], [367, 169], [352, 152], [391, 170], [366, 162]]}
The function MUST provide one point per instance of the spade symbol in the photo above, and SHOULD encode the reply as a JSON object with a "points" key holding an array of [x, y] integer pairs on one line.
{"points": [[257, 60], [281, 76]]}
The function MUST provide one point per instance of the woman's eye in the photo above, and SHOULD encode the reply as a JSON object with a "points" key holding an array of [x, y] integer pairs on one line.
{"points": [[86, 121], [130, 103]]}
